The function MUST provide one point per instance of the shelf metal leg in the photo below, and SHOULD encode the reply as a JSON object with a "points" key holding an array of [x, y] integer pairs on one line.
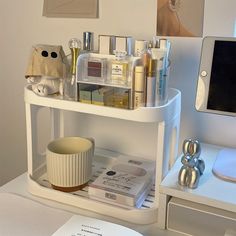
{"points": [[57, 123], [162, 210]]}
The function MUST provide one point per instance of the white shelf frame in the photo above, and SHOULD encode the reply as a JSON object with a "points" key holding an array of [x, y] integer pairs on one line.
{"points": [[166, 118]]}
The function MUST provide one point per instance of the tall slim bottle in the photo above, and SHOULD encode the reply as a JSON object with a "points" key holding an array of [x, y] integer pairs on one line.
{"points": [[139, 73], [151, 83], [70, 86]]}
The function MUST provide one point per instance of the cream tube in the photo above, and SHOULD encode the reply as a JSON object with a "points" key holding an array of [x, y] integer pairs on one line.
{"points": [[161, 83]]}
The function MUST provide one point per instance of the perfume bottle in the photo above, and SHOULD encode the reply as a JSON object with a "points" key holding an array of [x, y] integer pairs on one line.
{"points": [[119, 68], [70, 86]]}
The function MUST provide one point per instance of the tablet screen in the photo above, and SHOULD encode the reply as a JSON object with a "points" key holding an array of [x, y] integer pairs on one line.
{"points": [[222, 87]]}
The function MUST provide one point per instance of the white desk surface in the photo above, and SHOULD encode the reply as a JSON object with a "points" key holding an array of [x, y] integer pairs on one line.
{"points": [[55, 216]]}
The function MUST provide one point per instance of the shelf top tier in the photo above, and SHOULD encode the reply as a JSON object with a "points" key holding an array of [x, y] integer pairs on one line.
{"points": [[142, 114]]}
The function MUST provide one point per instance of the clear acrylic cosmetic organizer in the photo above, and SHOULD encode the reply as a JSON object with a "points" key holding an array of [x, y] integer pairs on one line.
{"points": [[166, 119], [96, 69]]}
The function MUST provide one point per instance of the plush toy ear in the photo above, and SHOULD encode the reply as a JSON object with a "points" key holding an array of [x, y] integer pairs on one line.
{"points": [[191, 147]]}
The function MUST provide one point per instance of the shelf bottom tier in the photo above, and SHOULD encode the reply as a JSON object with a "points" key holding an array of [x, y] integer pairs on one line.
{"points": [[146, 214]]}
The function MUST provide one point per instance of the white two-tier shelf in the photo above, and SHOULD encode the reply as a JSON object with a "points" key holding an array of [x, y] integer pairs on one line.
{"points": [[166, 119]]}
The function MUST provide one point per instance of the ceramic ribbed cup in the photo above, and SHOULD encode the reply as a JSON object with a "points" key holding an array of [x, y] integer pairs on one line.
{"points": [[69, 163]]}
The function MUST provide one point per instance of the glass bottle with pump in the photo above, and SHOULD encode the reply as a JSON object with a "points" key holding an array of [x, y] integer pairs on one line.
{"points": [[119, 69], [70, 85]]}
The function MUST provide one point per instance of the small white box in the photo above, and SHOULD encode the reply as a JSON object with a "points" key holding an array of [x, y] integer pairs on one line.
{"points": [[125, 183], [124, 44], [106, 44]]}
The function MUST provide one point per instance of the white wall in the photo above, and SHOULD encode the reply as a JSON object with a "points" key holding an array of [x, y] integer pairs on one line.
{"points": [[191, 9], [22, 25], [220, 20]]}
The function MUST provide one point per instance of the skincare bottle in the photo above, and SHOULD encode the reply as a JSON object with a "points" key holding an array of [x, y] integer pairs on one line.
{"points": [[151, 83], [119, 68], [70, 85], [139, 86]]}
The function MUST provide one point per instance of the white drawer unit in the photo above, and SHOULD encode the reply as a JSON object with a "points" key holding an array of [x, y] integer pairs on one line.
{"points": [[197, 219]]}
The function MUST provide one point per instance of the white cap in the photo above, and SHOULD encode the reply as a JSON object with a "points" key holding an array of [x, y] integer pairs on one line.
{"points": [[139, 47]]}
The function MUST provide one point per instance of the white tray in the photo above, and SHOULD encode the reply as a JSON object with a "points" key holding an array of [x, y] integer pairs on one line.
{"points": [[147, 213]]}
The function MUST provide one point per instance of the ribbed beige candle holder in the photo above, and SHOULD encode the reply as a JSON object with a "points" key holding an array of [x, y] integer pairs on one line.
{"points": [[69, 163]]}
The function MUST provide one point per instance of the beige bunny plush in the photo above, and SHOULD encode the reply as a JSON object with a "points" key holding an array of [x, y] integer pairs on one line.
{"points": [[46, 69]]}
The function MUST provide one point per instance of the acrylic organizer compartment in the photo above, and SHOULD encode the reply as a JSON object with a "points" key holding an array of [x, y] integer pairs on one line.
{"points": [[104, 80], [97, 68], [166, 120]]}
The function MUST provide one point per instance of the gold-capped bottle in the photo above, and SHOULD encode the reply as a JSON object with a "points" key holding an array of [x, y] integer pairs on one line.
{"points": [[70, 85]]}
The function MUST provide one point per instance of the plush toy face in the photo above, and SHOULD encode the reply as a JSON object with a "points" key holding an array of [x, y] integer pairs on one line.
{"points": [[46, 60]]}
